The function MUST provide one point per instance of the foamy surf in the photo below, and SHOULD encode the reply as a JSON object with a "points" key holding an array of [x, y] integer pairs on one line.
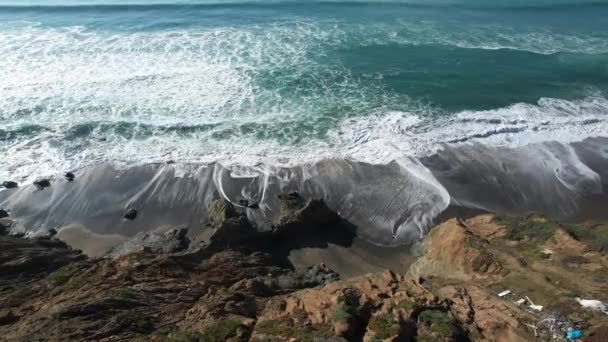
{"points": [[377, 138]]}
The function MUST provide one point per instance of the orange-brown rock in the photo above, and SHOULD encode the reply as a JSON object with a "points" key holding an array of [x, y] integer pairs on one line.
{"points": [[453, 251], [219, 293]]}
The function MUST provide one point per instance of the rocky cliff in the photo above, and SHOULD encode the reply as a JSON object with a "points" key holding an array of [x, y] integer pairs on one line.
{"points": [[230, 286]]}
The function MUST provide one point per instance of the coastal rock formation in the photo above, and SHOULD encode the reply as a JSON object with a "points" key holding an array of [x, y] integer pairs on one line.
{"points": [[526, 259], [157, 287], [228, 225], [28, 260], [170, 241], [297, 215], [453, 251]]}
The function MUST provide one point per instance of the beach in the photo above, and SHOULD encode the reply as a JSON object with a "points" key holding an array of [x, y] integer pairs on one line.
{"points": [[370, 170]]}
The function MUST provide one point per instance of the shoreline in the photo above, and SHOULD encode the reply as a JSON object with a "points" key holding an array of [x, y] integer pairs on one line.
{"points": [[388, 205]]}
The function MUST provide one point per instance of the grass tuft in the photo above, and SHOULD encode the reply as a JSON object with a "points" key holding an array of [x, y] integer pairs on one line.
{"points": [[219, 331], [532, 227], [286, 328], [383, 326], [594, 236], [440, 322], [60, 276]]}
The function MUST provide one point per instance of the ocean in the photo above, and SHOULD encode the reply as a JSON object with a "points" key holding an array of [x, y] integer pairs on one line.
{"points": [[286, 82], [289, 83]]}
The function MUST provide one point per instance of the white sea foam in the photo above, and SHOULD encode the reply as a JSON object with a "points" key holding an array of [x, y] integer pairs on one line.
{"points": [[383, 137], [189, 95]]}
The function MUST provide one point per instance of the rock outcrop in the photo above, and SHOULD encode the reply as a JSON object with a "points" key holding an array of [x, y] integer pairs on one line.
{"points": [[229, 287], [301, 216], [170, 241]]}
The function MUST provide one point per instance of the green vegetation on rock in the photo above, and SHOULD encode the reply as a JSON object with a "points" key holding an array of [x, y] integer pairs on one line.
{"points": [[595, 236], [184, 336], [474, 241], [60, 277], [127, 293], [483, 261], [219, 331], [348, 306], [405, 305], [438, 321], [286, 328], [383, 326], [533, 227], [343, 313]]}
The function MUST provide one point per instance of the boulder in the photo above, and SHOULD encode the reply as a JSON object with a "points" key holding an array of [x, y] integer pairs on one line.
{"points": [[42, 183], [69, 176], [5, 225], [246, 203], [10, 185], [171, 241], [317, 275], [3, 213], [298, 214], [130, 214], [230, 226]]}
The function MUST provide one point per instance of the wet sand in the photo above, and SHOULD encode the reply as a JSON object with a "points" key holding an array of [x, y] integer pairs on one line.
{"points": [[389, 205]]}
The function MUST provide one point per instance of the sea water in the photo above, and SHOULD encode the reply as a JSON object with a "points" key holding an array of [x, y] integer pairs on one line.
{"points": [[286, 82]]}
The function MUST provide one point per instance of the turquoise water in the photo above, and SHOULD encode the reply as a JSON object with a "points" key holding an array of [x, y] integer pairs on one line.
{"points": [[132, 82]]}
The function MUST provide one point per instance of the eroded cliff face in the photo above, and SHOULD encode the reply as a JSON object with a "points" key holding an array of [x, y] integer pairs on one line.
{"points": [[229, 285]]}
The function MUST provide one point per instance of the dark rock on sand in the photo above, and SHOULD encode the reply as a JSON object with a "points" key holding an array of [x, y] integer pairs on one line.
{"points": [[171, 241], [313, 276], [33, 258], [318, 275], [230, 225], [42, 184], [131, 214], [298, 214], [247, 204], [5, 225], [69, 176], [10, 184], [3, 213], [44, 234]]}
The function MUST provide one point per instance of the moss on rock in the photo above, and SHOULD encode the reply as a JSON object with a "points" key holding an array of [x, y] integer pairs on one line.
{"points": [[384, 326], [533, 227]]}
